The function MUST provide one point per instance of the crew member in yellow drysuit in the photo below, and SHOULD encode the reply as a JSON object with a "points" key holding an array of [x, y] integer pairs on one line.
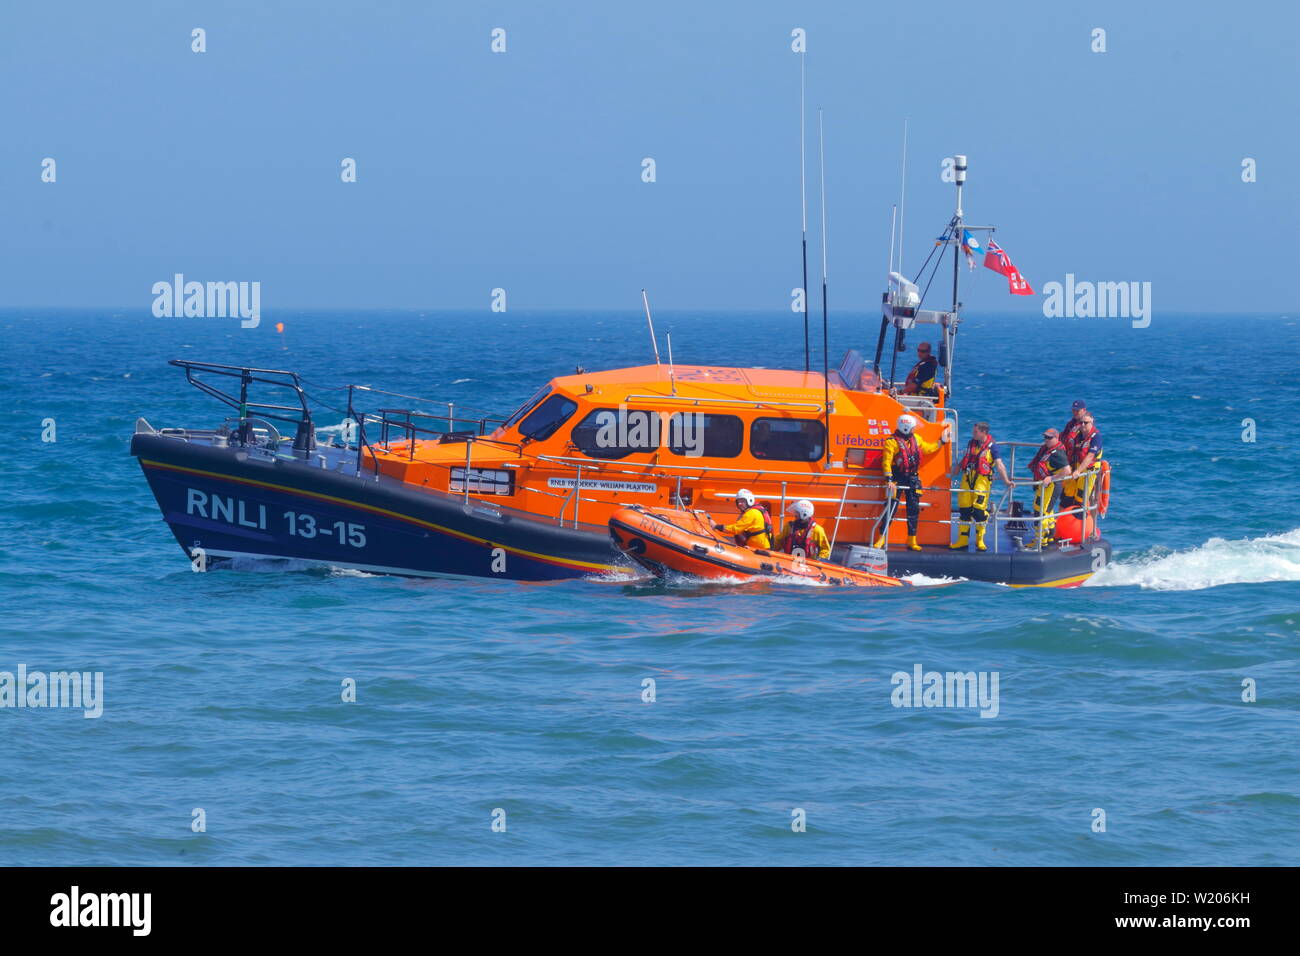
{"points": [[753, 528], [901, 464], [803, 534], [976, 470]]}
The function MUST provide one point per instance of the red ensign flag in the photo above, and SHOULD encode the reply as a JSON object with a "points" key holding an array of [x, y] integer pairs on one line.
{"points": [[998, 260]]}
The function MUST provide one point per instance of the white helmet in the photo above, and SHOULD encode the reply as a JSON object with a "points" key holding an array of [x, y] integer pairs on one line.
{"points": [[802, 509], [745, 497], [905, 424]]}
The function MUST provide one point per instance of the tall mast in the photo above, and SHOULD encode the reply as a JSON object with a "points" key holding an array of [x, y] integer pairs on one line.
{"points": [[959, 164], [960, 177], [826, 370], [803, 202]]}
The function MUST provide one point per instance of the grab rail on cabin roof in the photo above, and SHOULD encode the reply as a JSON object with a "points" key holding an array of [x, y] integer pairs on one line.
{"points": [[752, 403]]}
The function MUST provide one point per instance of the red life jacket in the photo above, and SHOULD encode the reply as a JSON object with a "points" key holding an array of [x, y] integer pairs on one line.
{"points": [[907, 460], [1038, 466], [802, 539], [744, 536], [978, 461], [1076, 440]]}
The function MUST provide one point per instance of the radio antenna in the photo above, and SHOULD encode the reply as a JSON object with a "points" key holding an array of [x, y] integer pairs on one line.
{"points": [[902, 201], [893, 230], [650, 322], [803, 203], [672, 378], [826, 370]]}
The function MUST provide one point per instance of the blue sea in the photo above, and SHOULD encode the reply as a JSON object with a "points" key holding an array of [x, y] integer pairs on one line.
{"points": [[1120, 704]]}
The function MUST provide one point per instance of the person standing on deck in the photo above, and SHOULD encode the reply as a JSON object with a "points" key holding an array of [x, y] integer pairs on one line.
{"points": [[803, 534], [753, 529], [1083, 447], [901, 464], [1049, 466], [976, 473]]}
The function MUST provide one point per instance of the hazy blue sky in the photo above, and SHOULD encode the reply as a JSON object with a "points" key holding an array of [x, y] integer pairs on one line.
{"points": [[523, 170]]}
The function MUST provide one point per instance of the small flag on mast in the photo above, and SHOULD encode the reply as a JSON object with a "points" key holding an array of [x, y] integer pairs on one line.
{"points": [[998, 260], [971, 246]]}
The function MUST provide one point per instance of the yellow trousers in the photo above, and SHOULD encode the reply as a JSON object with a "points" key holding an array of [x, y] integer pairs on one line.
{"points": [[1045, 502], [1078, 490], [973, 498]]}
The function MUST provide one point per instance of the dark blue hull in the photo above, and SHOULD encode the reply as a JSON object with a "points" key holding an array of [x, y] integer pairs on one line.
{"points": [[224, 503]]}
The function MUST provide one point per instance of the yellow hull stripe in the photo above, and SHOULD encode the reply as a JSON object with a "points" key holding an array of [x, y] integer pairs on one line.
{"points": [[549, 559], [1058, 583]]}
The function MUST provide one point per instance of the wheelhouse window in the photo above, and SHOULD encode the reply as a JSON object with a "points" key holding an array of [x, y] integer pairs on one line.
{"points": [[697, 435], [527, 406], [545, 420], [787, 439], [613, 433]]}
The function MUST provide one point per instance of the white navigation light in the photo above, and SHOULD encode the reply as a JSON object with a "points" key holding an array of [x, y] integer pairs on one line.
{"points": [[959, 168], [904, 294]]}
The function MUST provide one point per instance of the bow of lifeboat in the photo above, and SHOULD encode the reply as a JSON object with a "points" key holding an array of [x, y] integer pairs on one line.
{"points": [[664, 539]]}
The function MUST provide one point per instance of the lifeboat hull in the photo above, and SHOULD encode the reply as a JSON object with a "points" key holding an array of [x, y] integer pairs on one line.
{"points": [[1061, 565], [230, 504], [662, 540]]}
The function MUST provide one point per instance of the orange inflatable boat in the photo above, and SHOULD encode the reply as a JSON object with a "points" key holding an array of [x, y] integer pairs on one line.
{"points": [[663, 540]]}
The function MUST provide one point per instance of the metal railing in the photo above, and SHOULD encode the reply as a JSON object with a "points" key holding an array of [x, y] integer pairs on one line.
{"points": [[207, 378], [248, 376]]}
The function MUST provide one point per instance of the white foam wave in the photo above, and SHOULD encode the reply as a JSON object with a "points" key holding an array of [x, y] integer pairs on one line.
{"points": [[925, 581], [1274, 557], [337, 572], [622, 576]]}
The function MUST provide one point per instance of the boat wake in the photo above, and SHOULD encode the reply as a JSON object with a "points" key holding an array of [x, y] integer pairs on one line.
{"points": [[1274, 557], [919, 580]]}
